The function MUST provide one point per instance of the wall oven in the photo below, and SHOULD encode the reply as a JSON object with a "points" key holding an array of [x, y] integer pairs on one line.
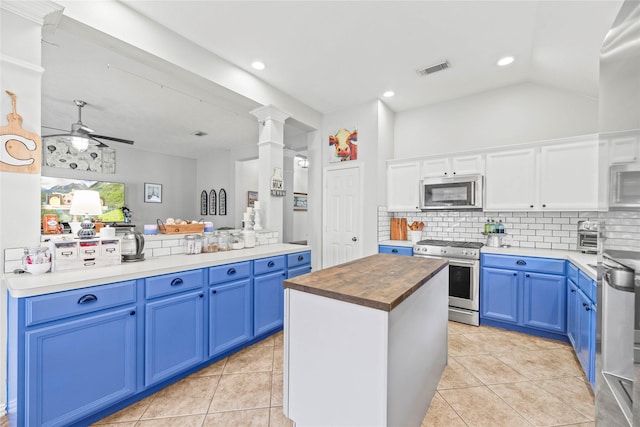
{"points": [[624, 189], [464, 275], [459, 192]]}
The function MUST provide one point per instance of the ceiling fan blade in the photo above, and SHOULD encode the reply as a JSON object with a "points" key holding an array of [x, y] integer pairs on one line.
{"points": [[112, 138], [49, 127], [99, 144]]}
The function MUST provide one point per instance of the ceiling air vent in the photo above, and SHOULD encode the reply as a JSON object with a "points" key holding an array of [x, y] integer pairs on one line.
{"points": [[433, 69], [199, 133]]}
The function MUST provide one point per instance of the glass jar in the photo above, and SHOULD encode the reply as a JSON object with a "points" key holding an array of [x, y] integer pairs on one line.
{"points": [[224, 241], [237, 242], [209, 242], [192, 244]]}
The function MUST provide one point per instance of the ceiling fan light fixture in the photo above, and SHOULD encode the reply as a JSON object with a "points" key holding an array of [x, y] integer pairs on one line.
{"points": [[80, 143]]}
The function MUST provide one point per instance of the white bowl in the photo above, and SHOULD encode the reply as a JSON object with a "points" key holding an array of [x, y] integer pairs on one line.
{"points": [[39, 268]]}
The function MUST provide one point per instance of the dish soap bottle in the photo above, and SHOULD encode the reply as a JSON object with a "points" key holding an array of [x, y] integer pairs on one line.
{"points": [[487, 226], [500, 227]]}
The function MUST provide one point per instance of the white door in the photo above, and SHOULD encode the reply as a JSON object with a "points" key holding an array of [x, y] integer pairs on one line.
{"points": [[342, 216]]}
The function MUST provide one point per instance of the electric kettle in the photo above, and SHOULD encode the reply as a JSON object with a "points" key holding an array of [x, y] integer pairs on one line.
{"points": [[132, 245]]}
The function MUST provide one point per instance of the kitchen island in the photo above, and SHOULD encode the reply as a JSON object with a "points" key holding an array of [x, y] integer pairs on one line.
{"points": [[365, 341]]}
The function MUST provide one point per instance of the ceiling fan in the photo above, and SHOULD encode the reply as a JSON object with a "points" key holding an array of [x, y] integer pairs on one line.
{"points": [[81, 136]]}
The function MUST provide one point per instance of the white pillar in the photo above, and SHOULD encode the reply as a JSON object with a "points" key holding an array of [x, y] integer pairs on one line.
{"points": [[287, 173], [270, 157]]}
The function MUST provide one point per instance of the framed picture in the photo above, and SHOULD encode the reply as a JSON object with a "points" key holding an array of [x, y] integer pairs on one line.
{"points": [[152, 193], [222, 202], [212, 202], [203, 203], [299, 201], [252, 196]]}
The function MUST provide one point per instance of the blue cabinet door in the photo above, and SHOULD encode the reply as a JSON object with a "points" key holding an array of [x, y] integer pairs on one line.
{"points": [[174, 335], [229, 316], [572, 312], [499, 295], [585, 316], [395, 250], [78, 367], [545, 302], [268, 302]]}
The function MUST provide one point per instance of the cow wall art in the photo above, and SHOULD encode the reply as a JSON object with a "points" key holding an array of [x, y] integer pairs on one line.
{"points": [[343, 145]]}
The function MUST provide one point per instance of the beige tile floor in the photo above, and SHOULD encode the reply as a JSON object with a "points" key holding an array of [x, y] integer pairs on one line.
{"points": [[494, 378]]}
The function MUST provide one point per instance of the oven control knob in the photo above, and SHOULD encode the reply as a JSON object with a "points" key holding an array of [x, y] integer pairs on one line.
{"points": [[464, 252], [443, 251]]}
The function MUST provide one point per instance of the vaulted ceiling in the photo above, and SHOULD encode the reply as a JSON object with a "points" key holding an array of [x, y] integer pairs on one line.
{"points": [[330, 55]]}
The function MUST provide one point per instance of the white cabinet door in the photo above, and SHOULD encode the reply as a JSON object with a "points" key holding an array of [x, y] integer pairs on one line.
{"points": [[450, 166], [510, 180], [569, 176], [436, 167], [466, 165], [403, 186], [623, 149]]}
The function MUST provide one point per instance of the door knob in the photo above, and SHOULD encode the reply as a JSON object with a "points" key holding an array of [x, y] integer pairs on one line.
{"points": [[354, 238]]}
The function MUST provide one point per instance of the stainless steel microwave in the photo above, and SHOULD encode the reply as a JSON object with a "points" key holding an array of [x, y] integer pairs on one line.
{"points": [[457, 192], [624, 191]]}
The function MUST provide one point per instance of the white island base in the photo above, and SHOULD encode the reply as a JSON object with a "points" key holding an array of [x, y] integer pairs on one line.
{"points": [[350, 365]]}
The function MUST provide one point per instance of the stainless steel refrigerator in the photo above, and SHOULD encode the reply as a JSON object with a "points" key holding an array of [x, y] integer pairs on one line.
{"points": [[618, 310]]}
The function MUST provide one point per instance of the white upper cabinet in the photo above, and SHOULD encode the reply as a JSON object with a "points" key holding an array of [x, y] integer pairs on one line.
{"points": [[452, 166], [569, 176], [510, 180], [623, 149], [403, 186]]}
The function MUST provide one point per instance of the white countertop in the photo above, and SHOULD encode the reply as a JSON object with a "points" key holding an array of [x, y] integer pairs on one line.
{"points": [[25, 285], [579, 259]]}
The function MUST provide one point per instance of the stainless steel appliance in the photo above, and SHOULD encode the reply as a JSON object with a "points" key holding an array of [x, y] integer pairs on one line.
{"points": [[588, 236], [619, 347], [624, 190], [464, 275], [132, 246], [618, 312], [455, 192]]}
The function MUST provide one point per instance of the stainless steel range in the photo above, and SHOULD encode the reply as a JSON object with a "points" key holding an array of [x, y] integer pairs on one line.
{"points": [[464, 275]]}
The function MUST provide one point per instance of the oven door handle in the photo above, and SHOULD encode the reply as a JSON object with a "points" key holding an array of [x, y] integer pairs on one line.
{"points": [[462, 263]]}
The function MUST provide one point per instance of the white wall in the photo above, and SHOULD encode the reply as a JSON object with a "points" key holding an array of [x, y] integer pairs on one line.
{"points": [[511, 115], [301, 222], [180, 196]]}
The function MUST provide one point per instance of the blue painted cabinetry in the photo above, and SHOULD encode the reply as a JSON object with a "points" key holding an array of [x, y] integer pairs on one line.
{"points": [[395, 250], [524, 293], [298, 264], [230, 307], [581, 319], [268, 294], [79, 353], [174, 324]]}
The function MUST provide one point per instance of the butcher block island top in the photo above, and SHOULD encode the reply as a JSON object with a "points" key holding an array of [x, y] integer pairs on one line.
{"points": [[380, 281]]}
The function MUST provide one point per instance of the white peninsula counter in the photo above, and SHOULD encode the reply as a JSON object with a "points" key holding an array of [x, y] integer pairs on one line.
{"points": [[365, 341]]}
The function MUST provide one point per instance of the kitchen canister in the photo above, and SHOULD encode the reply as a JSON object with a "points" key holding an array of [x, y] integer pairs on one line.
{"points": [[192, 244], [208, 227], [151, 229], [108, 232]]}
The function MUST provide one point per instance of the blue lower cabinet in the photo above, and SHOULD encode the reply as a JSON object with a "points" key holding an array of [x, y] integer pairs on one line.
{"points": [[298, 264], [545, 302], [268, 302], [77, 367], [395, 250], [527, 294], [230, 314], [499, 295], [174, 335], [572, 312]]}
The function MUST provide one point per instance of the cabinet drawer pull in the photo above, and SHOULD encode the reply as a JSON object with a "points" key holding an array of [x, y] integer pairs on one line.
{"points": [[176, 282], [214, 291], [521, 262], [515, 274], [85, 299], [526, 275], [395, 251], [573, 291], [271, 264], [231, 271], [584, 304], [300, 257]]}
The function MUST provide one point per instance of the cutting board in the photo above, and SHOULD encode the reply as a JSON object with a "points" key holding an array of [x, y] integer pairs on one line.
{"points": [[398, 229]]}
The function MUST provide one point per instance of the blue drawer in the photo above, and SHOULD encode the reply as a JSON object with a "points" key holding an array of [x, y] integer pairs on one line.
{"points": [[572, 272], [228, 272], [300, 258], [395, 250], [268, 265], [533, 264], [45, 308], [298, 271], [588, 286], [173, 283]]}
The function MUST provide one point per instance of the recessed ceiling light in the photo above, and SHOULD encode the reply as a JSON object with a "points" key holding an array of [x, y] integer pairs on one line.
{"points": [[388, 94], [505, 61], [258, 65]]}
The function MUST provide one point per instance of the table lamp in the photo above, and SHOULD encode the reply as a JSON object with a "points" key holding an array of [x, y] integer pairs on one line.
{"points": [[87, 203]]}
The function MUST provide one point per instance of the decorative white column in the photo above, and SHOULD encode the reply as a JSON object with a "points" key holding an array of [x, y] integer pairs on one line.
{"points": [[270, 157], [288, 173]]}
